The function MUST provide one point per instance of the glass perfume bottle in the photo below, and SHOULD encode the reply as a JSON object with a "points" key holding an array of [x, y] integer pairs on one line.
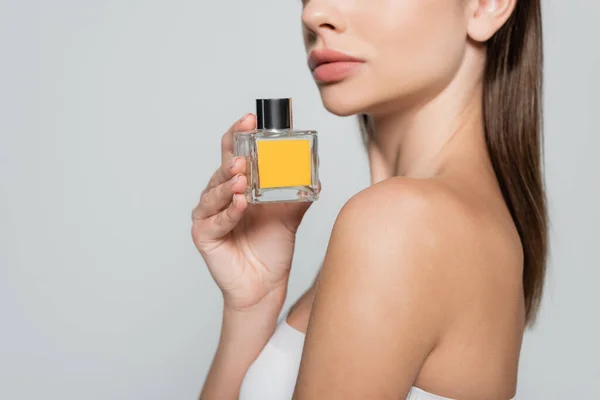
{"points": [[282, 164]]}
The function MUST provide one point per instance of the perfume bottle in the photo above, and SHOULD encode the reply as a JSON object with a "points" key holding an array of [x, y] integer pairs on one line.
{"points": [[282, 164]]}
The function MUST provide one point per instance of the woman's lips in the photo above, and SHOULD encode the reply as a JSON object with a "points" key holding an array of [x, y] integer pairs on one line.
{"points": [[328, 65], [336, 71]]}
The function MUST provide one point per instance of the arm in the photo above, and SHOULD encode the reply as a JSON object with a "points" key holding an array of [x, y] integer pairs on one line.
{"points": [[243, 336], [380, 303], [248, 252]]}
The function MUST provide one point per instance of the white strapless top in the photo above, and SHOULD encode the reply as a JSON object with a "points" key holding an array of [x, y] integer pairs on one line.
{"points": [[273, 374]]}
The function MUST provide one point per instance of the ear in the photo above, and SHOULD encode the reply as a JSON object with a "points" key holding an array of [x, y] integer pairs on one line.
{"points": [[487, 17]]}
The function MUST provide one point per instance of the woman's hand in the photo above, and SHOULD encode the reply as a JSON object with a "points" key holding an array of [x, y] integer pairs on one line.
{"points": [[248, 248]]}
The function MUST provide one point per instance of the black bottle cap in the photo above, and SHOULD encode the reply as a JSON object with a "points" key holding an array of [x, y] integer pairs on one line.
{"points": [[274, 113]]}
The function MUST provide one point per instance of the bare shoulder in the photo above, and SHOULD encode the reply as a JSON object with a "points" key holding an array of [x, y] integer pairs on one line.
{"points": [[406, 262], [415, 210], [424, 232], [407, 200], [420, 209]]}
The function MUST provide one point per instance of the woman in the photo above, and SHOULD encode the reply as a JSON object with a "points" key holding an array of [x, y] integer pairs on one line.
{"points": [[433, 272]]}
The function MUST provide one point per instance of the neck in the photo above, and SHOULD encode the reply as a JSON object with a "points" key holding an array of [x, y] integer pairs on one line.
{"points": [[421, 141]]}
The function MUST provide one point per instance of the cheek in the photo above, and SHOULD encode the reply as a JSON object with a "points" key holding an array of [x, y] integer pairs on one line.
{"points": [[418, 45]]}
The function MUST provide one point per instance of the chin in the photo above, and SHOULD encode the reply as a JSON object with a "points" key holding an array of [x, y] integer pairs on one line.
{"points": [[350, 98], [343, 101]]}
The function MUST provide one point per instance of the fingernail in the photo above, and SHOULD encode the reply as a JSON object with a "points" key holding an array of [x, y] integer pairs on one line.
{"points": [[245, 117], [235, 179], [233, 161]]}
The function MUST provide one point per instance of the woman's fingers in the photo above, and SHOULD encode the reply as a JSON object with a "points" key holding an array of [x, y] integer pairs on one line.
{"points": [[246, 123], [226, 171], [226, 220], [216, 199], [208, 231], [222, 202], [231, 165]]}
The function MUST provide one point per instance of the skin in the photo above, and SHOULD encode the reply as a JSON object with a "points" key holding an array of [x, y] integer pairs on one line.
{"points": [[421, 284]]}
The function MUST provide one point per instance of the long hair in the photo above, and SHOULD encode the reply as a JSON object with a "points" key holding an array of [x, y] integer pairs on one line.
{"points": [[512, 109]]}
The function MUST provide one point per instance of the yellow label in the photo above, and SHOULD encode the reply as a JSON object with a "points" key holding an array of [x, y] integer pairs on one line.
{"points": [[283, 163]]}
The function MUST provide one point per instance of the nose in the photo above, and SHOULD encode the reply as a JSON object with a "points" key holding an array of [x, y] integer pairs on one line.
{"points": [[320, 16]]}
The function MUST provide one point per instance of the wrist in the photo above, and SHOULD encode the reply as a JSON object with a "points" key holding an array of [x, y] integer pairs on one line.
{"points": [[253, 324], [271, 302]]}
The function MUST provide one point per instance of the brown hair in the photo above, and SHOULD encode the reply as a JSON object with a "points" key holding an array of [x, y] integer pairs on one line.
{"points": [[512, 107]]}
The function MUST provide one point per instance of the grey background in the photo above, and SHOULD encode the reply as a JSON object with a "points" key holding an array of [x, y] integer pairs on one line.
{"points": [[111, 114]]}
